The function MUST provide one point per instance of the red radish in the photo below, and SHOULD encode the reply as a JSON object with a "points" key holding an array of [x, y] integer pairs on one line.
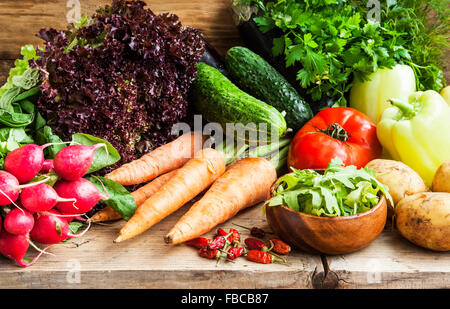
{"points": [[73, 162], [25, 162], [18, 222], [15, 247], [51, 228], [85, 192], [47, 166], [41, 197], [9, 188]]}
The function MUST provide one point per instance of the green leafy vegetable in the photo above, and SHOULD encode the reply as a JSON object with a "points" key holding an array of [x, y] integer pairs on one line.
{"points": [[334, 42], [74, 226], [52, 178], [29, 79], [45, 135], [340, 191], [17, 98], [119, 198], [21, 65], [102, 158]]}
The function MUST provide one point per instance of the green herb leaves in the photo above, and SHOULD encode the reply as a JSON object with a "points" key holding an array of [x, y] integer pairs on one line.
{"points": [[340, 191], [333, 42]]}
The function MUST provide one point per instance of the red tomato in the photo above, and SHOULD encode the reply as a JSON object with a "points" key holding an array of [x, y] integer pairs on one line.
{"points": [[336, 132]]}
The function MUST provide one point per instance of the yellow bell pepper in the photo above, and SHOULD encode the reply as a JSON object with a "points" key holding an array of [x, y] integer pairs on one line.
{"points": [[371, 97], [445, 93], [417, 132]]}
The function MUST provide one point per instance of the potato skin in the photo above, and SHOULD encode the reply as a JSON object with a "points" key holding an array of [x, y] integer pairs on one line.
{"points": [[441, 180], [399, 178], [424, 219]]}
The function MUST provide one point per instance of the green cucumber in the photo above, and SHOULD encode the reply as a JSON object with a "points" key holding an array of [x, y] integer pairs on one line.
{"points": [[219, 100], [258, 78]]}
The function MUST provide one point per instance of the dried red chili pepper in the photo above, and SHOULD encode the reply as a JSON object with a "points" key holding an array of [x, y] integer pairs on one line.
{"points": [[235, 252], [235, 237], [263, 257], [217, 243], [257, 232], [199, 242], [255, 244], [221, 232], [280, 246], [207, 253], [259, 256]]}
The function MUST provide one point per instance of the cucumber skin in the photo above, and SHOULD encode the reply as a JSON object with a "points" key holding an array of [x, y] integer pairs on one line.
{"points": [[257, 77], [219, 100]]}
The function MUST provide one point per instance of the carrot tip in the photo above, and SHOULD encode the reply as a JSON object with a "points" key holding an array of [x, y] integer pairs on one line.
{"points": [[118, 239], [168, 239]]}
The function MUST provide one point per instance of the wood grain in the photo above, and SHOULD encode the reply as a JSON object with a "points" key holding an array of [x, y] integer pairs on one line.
{"points": [[392, 262], [5, 66]]}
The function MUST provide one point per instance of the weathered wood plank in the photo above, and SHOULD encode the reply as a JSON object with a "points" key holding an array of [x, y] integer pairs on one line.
{"points": [[5, 66], [212, 17], [392, 262], [147, 262]]}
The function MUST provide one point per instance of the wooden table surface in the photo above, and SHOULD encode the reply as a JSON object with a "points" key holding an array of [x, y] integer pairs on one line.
{"points": [[94, 261]]}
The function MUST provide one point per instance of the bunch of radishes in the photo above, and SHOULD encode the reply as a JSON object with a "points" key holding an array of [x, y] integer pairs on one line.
{"points": [[39, 212]]}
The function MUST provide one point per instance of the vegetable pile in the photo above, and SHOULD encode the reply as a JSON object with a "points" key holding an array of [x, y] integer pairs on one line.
{"points": [[340, 191], [127, 76], [122, 75], [52, 193], [326, 46]]}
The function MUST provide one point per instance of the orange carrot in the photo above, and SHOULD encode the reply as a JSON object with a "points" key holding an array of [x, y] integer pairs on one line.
{"points": [[140, 195], [190, 180], [105, 214], [245, 183], [160, 161], [143, 193]]}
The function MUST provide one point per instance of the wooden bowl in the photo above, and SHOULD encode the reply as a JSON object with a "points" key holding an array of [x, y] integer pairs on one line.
{"points": [[327, 235]]}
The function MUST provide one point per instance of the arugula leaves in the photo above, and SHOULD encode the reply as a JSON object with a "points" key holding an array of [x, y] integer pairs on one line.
{"points": [[340, 191], [333, 43]]}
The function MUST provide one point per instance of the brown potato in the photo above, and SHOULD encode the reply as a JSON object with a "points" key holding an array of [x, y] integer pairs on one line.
{"points": [[424, 219], [441, 180], [399, 178]]}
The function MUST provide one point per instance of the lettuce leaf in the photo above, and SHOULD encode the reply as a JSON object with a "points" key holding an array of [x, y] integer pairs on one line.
{"points": [[21, 65]]}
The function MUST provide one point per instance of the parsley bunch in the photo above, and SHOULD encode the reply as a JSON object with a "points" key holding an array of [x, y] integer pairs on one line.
{"points": [[333, 42]]}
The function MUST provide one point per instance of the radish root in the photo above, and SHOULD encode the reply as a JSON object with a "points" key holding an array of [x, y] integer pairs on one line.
{"points": [[39, 249]]}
